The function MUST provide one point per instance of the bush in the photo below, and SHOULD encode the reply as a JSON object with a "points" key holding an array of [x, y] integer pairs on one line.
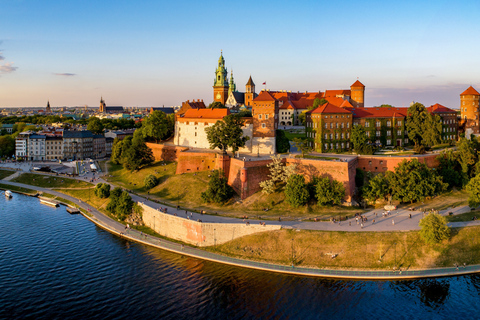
{"points": [[329, 192], [218, 190], [150, 181], [434, 228], [102, 190], [419, 149], [296, 191]]}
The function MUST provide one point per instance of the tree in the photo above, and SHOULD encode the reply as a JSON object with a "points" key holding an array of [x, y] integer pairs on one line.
{"points": [[450, 169], [296, 191], [301, 118], [7, 146], [303, 145], [432, 133], [317, 102], [102, 190], [137, 154], [386, 106], [227, 133], [120, 204], [329, 192], [278, 173], [150, 181], [358, 138], [377, 188], [157, 126], [117, 149], [282, 143], [95, 125], [433, 228], [473, 189], [468, 157], [218, 190], [216, 105], [413, 181]]}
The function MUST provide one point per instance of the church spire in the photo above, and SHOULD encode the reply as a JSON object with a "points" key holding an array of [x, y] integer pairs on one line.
{"points": [[232, 87]]}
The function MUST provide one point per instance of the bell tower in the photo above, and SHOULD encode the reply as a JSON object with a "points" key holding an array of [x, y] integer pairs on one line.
{"points": [[220, 84], [249, 92]]}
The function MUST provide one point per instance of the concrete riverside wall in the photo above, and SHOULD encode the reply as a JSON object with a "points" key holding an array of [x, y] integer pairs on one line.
{"points": [[388, 163], [198, 233]]}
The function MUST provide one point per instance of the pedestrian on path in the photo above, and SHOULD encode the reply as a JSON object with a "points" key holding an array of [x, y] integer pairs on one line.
{"points": [[393, 222]]}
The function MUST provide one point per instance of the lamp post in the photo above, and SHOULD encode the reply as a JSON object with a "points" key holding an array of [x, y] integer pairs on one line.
{"points": [[215, 238], [395, 256]]}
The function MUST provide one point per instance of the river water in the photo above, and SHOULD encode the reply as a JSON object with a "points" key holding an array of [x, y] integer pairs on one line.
{"points": [[54, 265]]}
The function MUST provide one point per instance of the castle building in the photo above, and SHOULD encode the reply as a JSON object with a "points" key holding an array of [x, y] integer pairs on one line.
{"points": [[469, 111], [264, 114]]}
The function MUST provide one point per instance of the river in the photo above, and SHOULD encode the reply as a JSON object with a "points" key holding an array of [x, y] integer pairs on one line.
{"points": [[54, 265]]}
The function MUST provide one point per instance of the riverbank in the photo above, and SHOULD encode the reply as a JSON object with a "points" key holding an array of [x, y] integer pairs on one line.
{"points": [[117, 228]]}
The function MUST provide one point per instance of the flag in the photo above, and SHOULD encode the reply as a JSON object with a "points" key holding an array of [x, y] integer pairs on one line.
{"points": [[264, 83]]}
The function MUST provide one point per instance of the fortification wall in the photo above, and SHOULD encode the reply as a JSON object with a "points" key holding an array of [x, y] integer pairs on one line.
{"points": [[198, 233], [164, 152], [195, 162], [388, 163]]}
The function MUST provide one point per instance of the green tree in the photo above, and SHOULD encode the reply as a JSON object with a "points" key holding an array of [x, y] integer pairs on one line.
{"points": [[386, 106], [473, 189], [102, 190], [432, 133], [296, 191], [413, 181], [416, 118], [358, 138], [279, 173], [218, 190], [329, 192], [95, 125], [216, 105], [317, 102], [227, 133], [137, 154], [150, 181], [301, 118], [377, 188], [7, 146], [450, 168], [157, 126], [282, 143], [468, 157], [433, 228], [117, 149], [303, 145], [120, 204]]}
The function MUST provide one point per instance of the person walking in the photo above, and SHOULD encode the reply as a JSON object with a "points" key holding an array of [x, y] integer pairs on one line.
{"points": [[393, 222]]}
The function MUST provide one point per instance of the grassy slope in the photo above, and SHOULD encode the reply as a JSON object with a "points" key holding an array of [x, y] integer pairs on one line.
{"points": [[5, 173], [362, 250], [47, 181]]}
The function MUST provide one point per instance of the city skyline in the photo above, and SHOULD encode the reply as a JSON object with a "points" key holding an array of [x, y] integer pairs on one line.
{"points": [[161, 53]]}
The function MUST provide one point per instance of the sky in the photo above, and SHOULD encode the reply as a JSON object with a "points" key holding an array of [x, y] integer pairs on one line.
{"points": [[154, 53]]}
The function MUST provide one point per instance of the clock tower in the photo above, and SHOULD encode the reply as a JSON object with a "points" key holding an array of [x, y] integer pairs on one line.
{"points": [[220, 84]]}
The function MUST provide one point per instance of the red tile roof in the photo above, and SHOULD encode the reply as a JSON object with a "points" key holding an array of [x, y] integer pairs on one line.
{"points": [[334, 93], [206, 113], [264, 96], [328, 108], [438, 108], [357, 84], [287, 105], [470, 91]]}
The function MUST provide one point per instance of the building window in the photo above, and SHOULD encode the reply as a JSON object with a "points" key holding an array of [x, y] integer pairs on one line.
{"points": [[326, 146], [389, 123], [348, 125], [336, 145], [367, 124], [326, 136], [378, 124], [343, 136], [264, 125], [266, 116], [389, 133], [259, 117], [406, 140], [377, 134], [399, 123], [331, 146], [368, 133], [348, 145], [343, 145], [389, 142], [399, 132], [348, 135], [331, 125], [343, 125], [336, 135], [331, 136]]}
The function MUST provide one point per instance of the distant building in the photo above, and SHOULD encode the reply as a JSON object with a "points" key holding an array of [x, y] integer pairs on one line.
{"points": [[7, 127], [77, 145], [21, 144], [53, 148], [113, 109], [166, 110], [36, 147], [48, 109], [99, 147], [469, 113]]}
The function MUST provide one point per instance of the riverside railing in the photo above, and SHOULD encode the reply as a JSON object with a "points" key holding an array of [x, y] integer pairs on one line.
{"points": [[327, 273]]}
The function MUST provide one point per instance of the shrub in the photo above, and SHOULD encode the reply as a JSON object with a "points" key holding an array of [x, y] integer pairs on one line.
{"points": [[150, 181], [121, 204], [434, 228], [282, 143], [218, 190], [102, 190], [329, 192], [296, 191]]}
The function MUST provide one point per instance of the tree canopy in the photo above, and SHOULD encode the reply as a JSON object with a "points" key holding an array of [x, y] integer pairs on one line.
{"points": [[423, 128], [95, 125], [218, 190], [120, 204], [131, 152], [216, 105], [473, 189], [158, 126], [102, 190], [227, 133], [361, 143], [303, 145], [329, 192], [150, 181], [296, 191], [433, 228]]}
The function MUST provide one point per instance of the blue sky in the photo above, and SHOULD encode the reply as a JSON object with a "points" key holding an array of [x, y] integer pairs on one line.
{"points": [[153, 53]]}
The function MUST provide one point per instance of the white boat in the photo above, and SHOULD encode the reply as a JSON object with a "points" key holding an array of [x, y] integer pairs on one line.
{"points": [[8, 193]]}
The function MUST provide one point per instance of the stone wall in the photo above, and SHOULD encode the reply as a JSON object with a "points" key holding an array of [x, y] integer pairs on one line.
{"points": [[387, 163], [198, 233], [196, 161]]}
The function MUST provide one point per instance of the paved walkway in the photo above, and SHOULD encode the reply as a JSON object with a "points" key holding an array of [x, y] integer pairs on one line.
{"points": [[398, 220]]}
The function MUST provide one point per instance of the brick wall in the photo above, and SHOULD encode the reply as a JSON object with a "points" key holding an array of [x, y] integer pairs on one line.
{"points": [[164, 152], [386, 163], [196, 161]]}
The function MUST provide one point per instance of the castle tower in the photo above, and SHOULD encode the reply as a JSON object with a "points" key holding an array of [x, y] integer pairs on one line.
{"points": [[48, 109], [357, 96], [249, 92], [220, 84], [232, 87], [469, 109], [102, 105]]}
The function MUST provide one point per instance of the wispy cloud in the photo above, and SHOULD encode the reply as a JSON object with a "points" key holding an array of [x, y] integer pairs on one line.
{"points": [[65, 74], [1, 56], [7, 68]]}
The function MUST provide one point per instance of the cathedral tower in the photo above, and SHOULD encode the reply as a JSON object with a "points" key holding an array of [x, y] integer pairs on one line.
{"points": [[249, 92], [102, 105], [48, 109], [220, 84], [233, 86]]}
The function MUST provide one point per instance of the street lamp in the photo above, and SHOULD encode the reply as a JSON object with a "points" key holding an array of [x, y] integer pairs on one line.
{"points": [[395, 256], [215, 238]]}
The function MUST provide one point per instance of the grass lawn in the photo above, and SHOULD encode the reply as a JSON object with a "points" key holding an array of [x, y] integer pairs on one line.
{"points": [[467, 216], [449, 199], [103, 165], [291, 135], [5, 173], [88, 196], [361, 250], [47, 181]]}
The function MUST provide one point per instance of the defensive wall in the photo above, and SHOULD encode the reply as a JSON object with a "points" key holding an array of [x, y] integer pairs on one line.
{"points": [[378, 164], [198, 233], [245, 175]]}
